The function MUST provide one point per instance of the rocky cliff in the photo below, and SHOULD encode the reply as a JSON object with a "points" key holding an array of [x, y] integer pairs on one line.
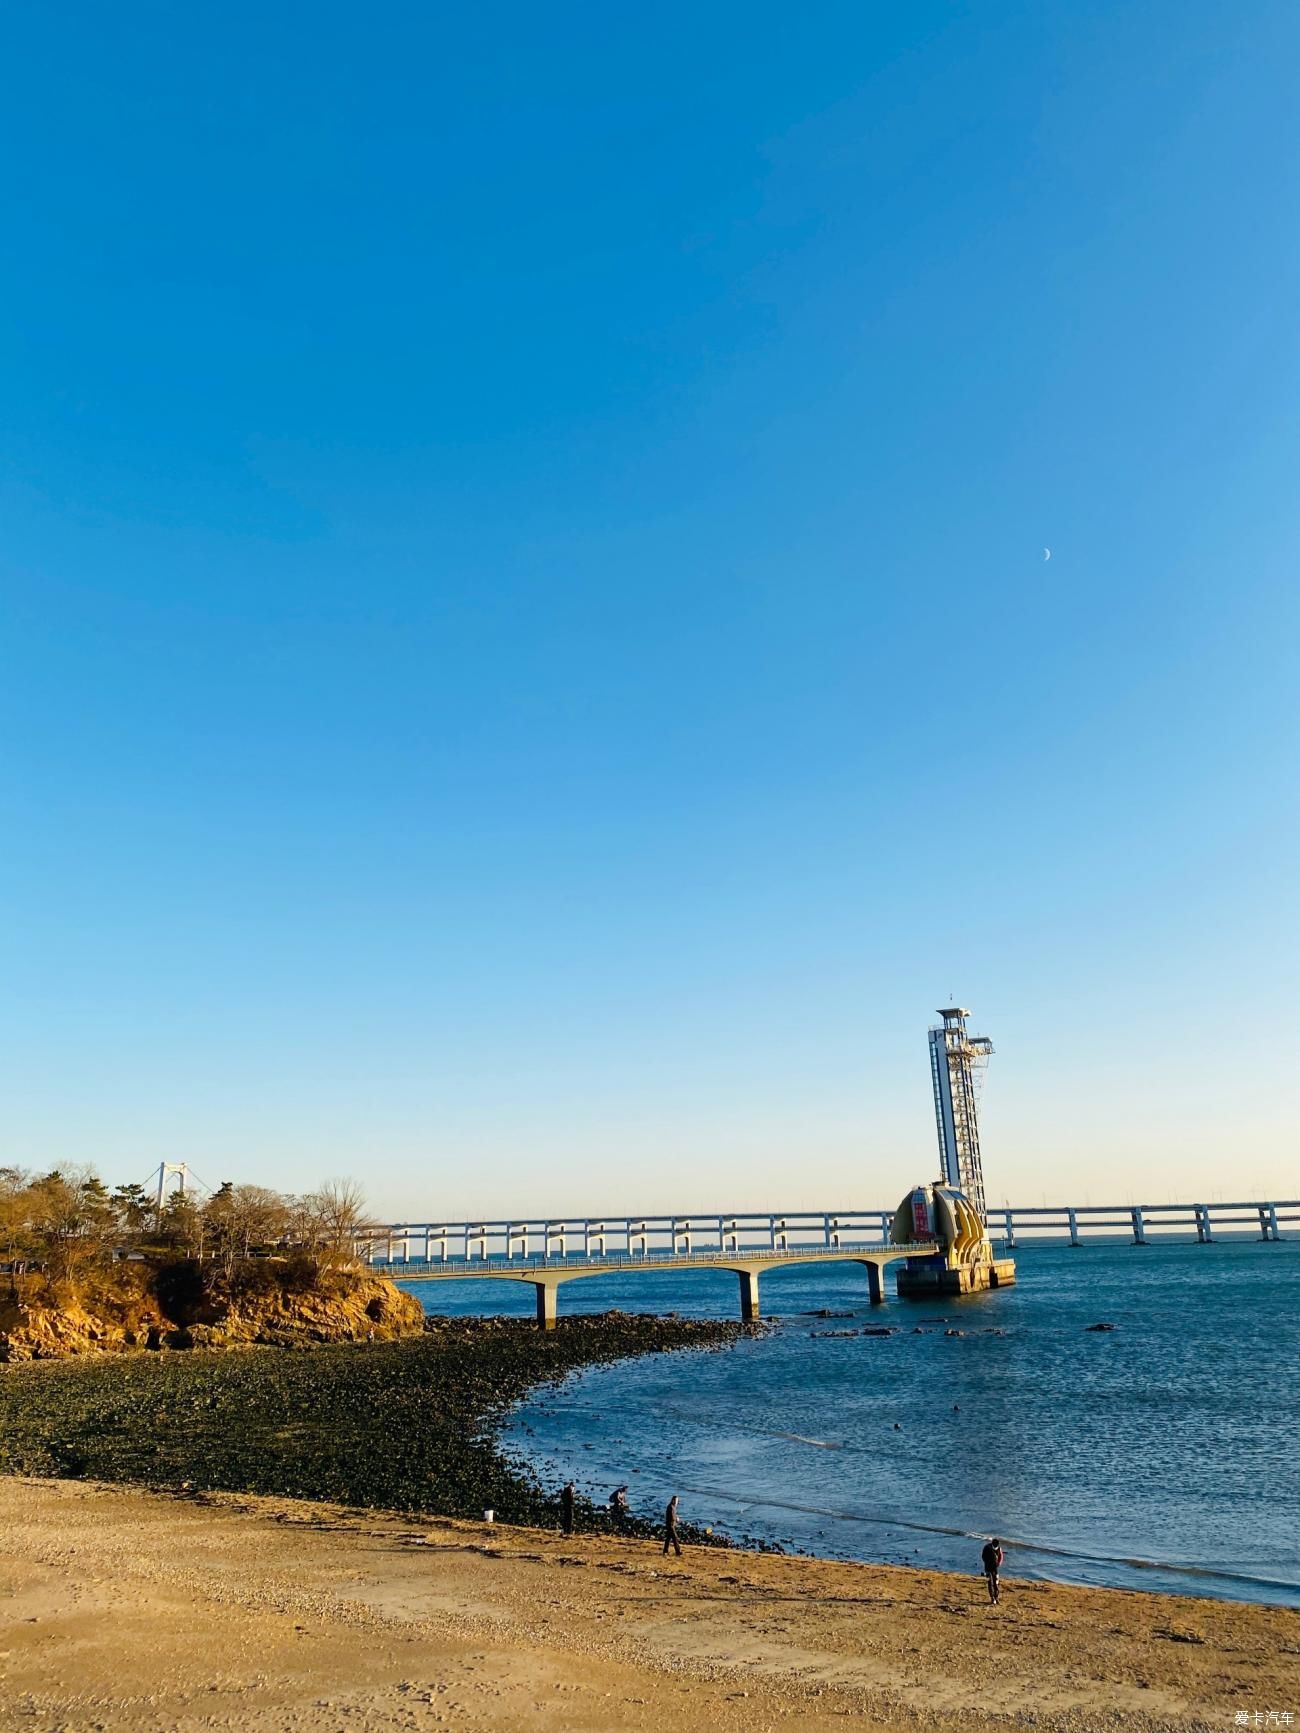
{"points": [[176, 1305]]}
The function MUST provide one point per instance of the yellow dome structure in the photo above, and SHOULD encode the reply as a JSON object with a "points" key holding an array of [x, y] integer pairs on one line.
{"points": [[961, 1262]]}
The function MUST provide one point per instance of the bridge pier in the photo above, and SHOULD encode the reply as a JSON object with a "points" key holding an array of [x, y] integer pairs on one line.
{"points": [[547, 1294], [749, 1312], [875, 1283]]}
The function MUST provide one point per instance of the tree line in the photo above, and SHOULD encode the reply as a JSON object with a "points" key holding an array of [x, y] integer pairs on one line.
{"points": [[63, 1221]]}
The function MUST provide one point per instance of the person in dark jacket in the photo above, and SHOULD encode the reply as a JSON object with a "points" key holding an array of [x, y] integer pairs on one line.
{"points": [[991, 1559], [566, 1508], [670, 1527], [618, 1506]]}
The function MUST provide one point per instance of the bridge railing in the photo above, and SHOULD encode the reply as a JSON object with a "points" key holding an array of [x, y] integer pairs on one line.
{"points": [[498, 1266], [1141, 1222], [737, 1233], [674, 1236]]}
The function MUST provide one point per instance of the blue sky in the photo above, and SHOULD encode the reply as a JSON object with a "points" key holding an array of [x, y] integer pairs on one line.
{"points": [[529, 667]]}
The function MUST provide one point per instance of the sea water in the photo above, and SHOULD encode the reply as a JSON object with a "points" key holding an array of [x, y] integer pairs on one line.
{"points": [[1162, 1454]]}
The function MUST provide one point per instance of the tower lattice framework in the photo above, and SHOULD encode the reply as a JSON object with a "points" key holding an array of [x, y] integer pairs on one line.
{"points": [[957, 1059]]}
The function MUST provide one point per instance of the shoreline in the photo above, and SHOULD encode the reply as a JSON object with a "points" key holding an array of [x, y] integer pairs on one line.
{"points": [[1101, 1445], [281, 1421], [408, 1425], [1165, 1576], [135, 1610]]}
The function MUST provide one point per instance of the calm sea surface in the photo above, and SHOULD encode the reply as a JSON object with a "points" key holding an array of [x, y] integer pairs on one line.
{"points": [[1164, 1454]]}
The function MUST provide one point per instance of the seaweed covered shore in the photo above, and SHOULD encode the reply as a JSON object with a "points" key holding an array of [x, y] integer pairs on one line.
{"points": [[406, 1425]]}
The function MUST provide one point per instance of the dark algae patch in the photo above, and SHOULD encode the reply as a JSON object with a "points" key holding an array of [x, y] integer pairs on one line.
{"points": [[407, 1425]]}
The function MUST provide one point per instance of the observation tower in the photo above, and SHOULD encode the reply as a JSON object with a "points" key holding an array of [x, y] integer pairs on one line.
{"points": [[950, 1212], [957, 1062]]}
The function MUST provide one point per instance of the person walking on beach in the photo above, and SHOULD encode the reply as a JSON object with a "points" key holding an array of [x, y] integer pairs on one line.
{"points": [[566, 1508], [670, 1527], [991, 1558], [618, 1506]]}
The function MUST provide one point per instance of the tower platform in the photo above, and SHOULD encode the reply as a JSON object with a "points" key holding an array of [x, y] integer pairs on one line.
{"points": [[920, 1279]]}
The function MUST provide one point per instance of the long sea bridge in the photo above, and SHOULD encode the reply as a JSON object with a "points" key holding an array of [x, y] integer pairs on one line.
{"points": [[546, 1252]]}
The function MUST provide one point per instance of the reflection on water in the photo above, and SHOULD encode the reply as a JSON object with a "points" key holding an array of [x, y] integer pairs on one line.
{"points": [[1163, 1454]]}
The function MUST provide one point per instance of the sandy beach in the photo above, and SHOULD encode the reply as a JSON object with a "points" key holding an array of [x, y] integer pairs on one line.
{"points": [[125, 1609]]}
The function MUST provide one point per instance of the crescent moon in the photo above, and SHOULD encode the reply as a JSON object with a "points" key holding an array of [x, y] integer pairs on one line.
{"points": [[1047, 554]]}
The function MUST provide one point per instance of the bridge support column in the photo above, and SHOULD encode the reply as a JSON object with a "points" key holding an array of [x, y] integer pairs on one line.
{"points": [[875, 1283], [749, 1311], [547, 1293]]}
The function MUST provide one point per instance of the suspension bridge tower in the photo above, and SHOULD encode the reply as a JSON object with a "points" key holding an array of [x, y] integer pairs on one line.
{"points": [[950, 1214], [176, 1171]]}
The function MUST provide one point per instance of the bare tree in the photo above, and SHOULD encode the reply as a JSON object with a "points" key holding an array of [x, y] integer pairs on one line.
{"points": [[260, 1217], [339, 1208], [240, 1217], [302, 1222]]}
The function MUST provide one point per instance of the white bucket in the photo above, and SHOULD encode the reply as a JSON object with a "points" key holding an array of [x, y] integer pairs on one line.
{"points": [[489, 1515]]}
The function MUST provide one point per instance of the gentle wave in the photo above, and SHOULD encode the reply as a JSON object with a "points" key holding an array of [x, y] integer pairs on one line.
{"points": [[1091, 1453], [883, 1519], [689, 1418]]}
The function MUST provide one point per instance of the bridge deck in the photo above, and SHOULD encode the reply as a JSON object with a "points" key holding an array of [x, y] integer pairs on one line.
{"points": [[563, 1268], [546, 1273]]}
